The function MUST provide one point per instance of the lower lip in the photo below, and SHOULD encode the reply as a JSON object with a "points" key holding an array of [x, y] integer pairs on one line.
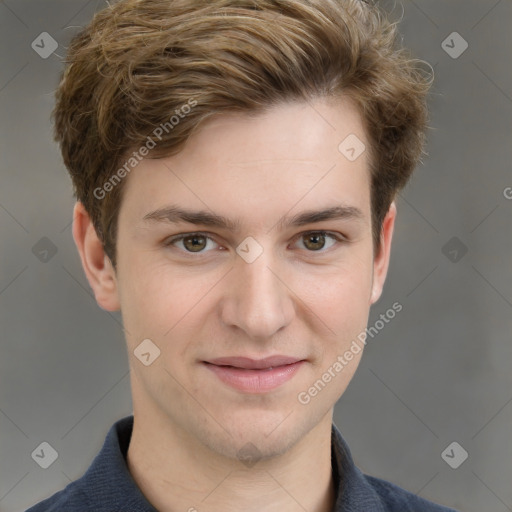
{"points": [[255, 381]]}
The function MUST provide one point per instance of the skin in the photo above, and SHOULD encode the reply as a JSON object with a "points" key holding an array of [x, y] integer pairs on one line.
{"points": [[292, 300]]}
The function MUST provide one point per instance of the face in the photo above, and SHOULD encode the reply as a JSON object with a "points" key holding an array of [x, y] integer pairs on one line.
{"points": [[268, 281]]}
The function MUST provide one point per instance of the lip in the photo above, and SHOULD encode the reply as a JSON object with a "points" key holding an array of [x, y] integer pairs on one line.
{"points": [[254, 375], [254, 364]]}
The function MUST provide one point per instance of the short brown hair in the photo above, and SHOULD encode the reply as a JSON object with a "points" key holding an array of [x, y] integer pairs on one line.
{"points": [[138, 61]]}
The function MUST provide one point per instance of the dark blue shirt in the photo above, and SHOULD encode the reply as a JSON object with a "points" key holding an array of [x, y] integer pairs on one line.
{"points": [[107, 485]]}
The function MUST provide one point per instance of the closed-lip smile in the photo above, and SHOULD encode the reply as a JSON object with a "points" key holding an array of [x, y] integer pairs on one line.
{"points": [[255, 375], [254, 364]]}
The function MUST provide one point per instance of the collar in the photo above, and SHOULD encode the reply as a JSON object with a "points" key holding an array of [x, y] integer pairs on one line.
{"points": [[119, 490]]}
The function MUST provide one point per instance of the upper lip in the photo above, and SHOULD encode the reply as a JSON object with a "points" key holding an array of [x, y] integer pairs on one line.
{"points": [[254, 364]]}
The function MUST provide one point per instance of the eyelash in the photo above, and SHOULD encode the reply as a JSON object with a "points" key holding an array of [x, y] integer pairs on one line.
{"points": [[171, 241]]}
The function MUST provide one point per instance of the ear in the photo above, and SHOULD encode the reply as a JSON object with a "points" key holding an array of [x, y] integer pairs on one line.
{"points": [[381, 261], [97, 265]]}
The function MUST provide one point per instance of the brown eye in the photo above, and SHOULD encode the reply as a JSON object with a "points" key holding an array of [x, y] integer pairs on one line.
{"points": [[194, 243], [314, 241], [191, 242]]}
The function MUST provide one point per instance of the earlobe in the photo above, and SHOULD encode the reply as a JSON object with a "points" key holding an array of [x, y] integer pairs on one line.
{"points": [[381, 262], [96, 264]]}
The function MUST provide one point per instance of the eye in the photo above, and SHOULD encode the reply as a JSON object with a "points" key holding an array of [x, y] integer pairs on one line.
{"points": [[315, 241], [312, 241], [192, 242]]}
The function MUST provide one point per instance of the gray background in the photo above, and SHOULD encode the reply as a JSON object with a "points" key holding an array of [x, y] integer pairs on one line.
{"points": [[439, 372]]}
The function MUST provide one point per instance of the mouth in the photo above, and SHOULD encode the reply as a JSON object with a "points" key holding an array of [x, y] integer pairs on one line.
{"points": [[255, 375], [247, 363]]}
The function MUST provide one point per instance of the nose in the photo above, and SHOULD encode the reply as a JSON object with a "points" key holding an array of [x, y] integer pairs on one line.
{"points": [[257, 297]]}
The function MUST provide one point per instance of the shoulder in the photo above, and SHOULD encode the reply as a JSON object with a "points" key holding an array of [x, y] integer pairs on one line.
{"points": [[359, 491], [71, 498], [396, 499], [107, 485]]}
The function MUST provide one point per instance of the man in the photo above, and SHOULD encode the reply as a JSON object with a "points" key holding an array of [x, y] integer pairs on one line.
{"points": [[235, 165]]}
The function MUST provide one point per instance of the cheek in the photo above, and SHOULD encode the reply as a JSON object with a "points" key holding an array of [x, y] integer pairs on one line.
{"points": [[343, 307], [343, 290], [157, 302], [341, 301]]}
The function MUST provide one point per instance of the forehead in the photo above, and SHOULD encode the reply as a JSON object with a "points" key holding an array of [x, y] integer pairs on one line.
{"points": [[291, 158]]}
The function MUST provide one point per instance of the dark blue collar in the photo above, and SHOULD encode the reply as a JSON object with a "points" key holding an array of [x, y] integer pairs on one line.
{"points": [[107, 485], [352, 493]]}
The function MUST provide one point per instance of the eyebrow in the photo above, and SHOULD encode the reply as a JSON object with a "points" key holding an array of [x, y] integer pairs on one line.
{"points": [[175, 214]]}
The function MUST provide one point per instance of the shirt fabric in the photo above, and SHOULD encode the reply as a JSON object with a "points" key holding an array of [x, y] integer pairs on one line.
{"points": [[107, 485]]}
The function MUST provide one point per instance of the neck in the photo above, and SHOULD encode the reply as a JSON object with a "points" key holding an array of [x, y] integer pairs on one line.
{"points": [[176, 472]]}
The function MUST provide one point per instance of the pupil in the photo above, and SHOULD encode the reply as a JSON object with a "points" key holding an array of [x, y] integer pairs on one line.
{"points": [[318, 238], [195, 245]]}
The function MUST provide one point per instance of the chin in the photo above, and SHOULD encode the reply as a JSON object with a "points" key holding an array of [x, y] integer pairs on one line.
{"points": [[262, 436]]}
